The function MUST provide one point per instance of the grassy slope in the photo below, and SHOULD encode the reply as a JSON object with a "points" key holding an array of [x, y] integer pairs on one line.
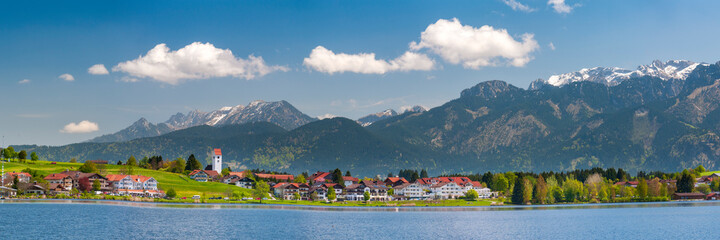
{"points": [[184, 186]]}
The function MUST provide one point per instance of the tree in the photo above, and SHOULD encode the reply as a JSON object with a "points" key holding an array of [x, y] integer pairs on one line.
{"points": [[414, 176], [390, 174], [572, 189], [347, 173], [518, 192], [96, 185], [715, 185], [471, 195], [34, 156], [192, 163], [261, 190], [177, 165], [225, 171], [84, 184], [170, 193], [300, 179], [699, 169], [331, 194], [366, 196], [88, 167], [686, 183], [119, 162], [15, 182], [499, 183], [703, 188], [338, 177], [296, 196], [642, 188], [132, 161], [424, 174], [9, 152], [22, 155], [540, 193], [73, 160]]}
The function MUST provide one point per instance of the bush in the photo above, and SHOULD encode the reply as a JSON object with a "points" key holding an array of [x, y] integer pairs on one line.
{"points": [[171, 193]]}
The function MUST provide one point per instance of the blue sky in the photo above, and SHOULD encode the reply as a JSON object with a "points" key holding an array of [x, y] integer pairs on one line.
{"points": [[39, 41]]}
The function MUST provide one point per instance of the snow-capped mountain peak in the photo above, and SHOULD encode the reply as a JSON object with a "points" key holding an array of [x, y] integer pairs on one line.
{"points": [[611, 76]]}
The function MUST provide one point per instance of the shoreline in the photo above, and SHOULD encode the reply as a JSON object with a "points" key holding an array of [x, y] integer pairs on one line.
{"points": [[358, 208]]}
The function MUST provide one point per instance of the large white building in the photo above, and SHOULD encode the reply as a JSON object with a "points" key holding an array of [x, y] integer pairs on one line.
{"points": [[217, 160]]}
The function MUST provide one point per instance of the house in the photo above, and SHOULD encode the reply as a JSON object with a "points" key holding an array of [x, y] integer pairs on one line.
{"points": [[377, 190], [688, 196], [35, 189], [321, 190], [135, 185], [21, 176], [60, 179], [245, 182], [447, 190], [712, 196], [395, 181], [704, 180], [203, 175], [348, 180], [287, 190], [276, 177], [320, 177], [632, 184], [232, 177], [79, 177], [412, 191], [57, 188], [7, 192]]}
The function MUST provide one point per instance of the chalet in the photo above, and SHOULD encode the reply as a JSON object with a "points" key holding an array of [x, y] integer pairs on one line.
{"points": [[61, 180], [245, 182], [7, 192], [232, 177], [704, 180], [56, 188], [135, 185], [321, 190], [632, 184], [21, 176], [78, 177], [35, 189], [688, 196], [348, 180], [395, 181], [203, 175], [287, 190]]}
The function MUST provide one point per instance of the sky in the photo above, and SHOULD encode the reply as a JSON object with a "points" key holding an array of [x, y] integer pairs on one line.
{"points": [[71, 71]]}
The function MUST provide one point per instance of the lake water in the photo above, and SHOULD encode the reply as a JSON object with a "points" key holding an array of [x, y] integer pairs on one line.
{"points": [[124, 220]]}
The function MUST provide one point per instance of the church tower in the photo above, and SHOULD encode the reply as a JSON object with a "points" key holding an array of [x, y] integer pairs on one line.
{"points": [[217, 160]]}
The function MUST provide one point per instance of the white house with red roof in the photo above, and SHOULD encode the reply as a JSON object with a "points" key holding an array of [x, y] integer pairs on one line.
{"points": [[135, 185], [63, 180]]}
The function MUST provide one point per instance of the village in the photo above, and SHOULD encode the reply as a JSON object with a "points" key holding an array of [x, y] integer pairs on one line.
{"points": [[330, 186]]}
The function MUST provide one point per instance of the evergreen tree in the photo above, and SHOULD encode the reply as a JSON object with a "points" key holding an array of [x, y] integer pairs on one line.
{"points": [[686, 183], [347, 174], [338, 177], [119, 162], [22, 155], [423, 174], [414, 176], [132, 161], [192, 163], [518, 192]]}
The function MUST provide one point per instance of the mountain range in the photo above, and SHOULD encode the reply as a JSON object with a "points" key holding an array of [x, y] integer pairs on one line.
{"points": [[646, 121]]}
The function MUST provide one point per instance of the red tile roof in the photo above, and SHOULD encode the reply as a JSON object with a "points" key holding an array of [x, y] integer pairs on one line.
{"points": [[13, 174], [115, 177], [210, 173], [56, 176], [397, 179], [217, 151], [319, 176], [348, 178]]}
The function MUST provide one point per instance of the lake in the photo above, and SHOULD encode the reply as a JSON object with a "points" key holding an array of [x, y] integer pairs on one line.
{"points": [[128, 220]]}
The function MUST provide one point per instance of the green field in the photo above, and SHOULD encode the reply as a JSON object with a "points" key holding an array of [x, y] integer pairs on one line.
{"points": [[708, 173], [184, 186]]}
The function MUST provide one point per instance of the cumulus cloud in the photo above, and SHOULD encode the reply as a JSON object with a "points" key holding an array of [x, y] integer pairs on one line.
{"points": [[323, 60], [517, 6], [552, 46], [24, 81], [475, 47], [98, 69], [559, 6], [67, 77], [84, 126], [194, 61]]}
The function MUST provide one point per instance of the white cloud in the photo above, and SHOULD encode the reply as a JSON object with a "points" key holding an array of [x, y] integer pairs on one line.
{"points": [[84, 126], [475, 47], [324, 60], [67, 77], [559, 6], [194, 61], [98, 69], [552, 46], [24, 81], [128, 79], [517, 6], [325, 116]]}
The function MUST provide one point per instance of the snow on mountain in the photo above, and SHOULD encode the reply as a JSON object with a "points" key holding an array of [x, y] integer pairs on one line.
{"points": [[673, 69], [370, 119]]}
